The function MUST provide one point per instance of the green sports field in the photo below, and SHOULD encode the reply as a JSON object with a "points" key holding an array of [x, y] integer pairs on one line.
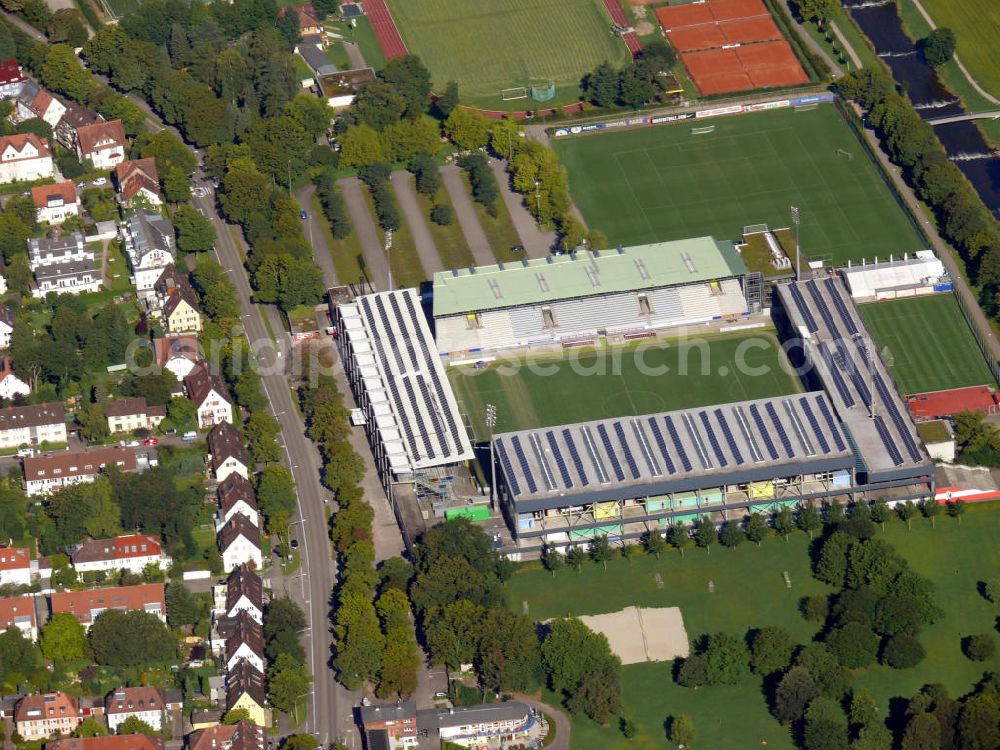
{"points": [[623, 381], [976, 24], [927, 343], [488, 45], [663, 183]]}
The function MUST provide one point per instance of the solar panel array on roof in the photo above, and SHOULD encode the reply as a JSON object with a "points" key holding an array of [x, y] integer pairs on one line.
{"points": [[615, 454]]}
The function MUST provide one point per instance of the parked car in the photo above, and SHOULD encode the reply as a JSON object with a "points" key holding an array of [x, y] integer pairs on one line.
{"points": [[302, 213], [294, 544], [100, 181], [151, 441], [187, 437], [26, 452]]}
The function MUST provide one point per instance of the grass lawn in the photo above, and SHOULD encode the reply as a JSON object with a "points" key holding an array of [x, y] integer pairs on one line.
{"points": [[489, 45], [499, 229], [403, 259], [450, 240], [117, 268], [930, 346], [750, 592], [621, 381], [663, 183], [363, 35], [976, 24]]}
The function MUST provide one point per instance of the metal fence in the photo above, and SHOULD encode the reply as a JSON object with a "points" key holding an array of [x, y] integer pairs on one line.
{"points": [[983, 338]]}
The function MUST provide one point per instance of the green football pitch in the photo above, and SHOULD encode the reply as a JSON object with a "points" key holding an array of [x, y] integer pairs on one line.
{"points": [[489, 45], [623, 381], [665, 183], [926, 343]]}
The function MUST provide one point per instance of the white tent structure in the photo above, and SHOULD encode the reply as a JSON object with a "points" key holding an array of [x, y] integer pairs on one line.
{"points": [[909, 276]]}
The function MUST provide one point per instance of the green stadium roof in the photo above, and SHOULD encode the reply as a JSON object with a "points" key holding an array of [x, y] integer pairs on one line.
{"points": [[584, 274]]}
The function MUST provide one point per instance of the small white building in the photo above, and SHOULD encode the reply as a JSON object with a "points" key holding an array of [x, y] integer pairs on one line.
{"points": [[131, 552], [244, 642], [45, 474], [178, 354], [19, 612], [244, 592], [149, 243], [131, 414], [33, 101], [226, 453], [893, 278], [63, 265], [32, 425], [146, 703], [211, 400], [15, 566], [138, 182], [6, 325], [24, 157], [239, 542], [236, 495], [10, 384], [56, 203], [103, 143]]}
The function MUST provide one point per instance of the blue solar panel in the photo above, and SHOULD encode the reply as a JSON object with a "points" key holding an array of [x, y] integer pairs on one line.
{"points": [[824, 310], [807, 410], [647, 449], [764, 432], [525, 466], [713, 440], [728, 434], [803, 308], [858, 380], [779, 428], [661, 444], [838, 378], [543, 461], [897, 418], [834, 427], [508, 469], [558, 456], [609, 449], [741, 420], [595, 457], [574, 454], [629, 458], [838, 301], [699, 444], [685, 462], [890, 444]]}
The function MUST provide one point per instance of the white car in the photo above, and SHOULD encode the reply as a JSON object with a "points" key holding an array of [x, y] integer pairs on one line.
{"points": [[26, 452], [100, 181]]}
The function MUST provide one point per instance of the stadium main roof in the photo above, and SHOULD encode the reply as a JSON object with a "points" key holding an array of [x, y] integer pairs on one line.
{"points": [[583, 274], [412, 403], [678, 451]]}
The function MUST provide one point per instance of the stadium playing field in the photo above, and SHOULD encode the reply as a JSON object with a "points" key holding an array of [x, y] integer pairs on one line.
{"points": [[926, 343], [663, 183], [623, 381], [489, 45]]}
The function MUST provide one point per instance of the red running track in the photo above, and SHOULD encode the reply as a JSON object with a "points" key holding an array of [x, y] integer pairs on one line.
{"points": [[385, 29], [620, 19]]}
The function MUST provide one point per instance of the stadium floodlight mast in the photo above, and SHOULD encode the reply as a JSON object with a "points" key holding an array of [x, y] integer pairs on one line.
{"points": [[491, 422], [798, 251]]}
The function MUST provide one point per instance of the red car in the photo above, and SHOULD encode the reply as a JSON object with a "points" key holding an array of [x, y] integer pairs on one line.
{"points": [[151, 441]]}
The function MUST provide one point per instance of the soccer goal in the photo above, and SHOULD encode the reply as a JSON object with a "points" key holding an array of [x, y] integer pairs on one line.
{"points": [[806, 107], [755, 229], [515, 92], [845, 154], [703, 130]]}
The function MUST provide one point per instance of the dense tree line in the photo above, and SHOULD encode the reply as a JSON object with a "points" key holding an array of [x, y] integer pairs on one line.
{"points": [[482, 180], [332, 201], [638, 83], [376, 177], [288, 679]]}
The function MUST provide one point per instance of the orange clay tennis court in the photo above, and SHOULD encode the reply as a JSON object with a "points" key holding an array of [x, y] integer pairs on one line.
{"points": [[731, 45]]}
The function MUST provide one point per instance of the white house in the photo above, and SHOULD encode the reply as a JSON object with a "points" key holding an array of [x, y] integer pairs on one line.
{"points": [[103, 143], [148, 239], [245, 642], [236, 495], [178, 354], [227, 455], [15, 566], [24, 157], [33, 101], [146, 703], [131, 414], [56, 203], [10, 384], [239, 541], [64, 265], [44, 474], [19, 612], [210, 397], [131, 552], [244, 593], [32, 425], [6, 325], [138, 181]]}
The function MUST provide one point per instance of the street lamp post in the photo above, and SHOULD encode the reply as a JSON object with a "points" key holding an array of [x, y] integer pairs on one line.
{"points": [[798, 251], [491, 421]]}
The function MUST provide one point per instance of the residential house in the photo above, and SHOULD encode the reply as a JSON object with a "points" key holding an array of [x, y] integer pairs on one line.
{"points": [[38, 717], [44, 474], [245, 642], [88, 604], [309, 23], [111, 742], [211, 400], [15, 566], [10, 384], [63, 265], [226, 454], [146, 703], [206, 718], [56, 203], [131, 414], [11, 79], [32, 425], [33, 101], [509, 721], [6, 325], [24, 157], [390, 726], [239, 541], [19, 612], [244, 593], [131, 552], [138, 182], [243, 735], [148, 239], [339, 88], [75, 117], [175, 302], [103, 143], [245, 689], [236, 495], [179, 354]]}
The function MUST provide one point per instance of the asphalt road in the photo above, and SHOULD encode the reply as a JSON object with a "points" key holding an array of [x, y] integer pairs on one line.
{"points": [[376, 264], [537, 244], [406, 194], [465, 212], [322, 253]]}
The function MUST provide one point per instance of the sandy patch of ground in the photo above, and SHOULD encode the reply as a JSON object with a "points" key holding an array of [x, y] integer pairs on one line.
{"points": [[642, 634]]}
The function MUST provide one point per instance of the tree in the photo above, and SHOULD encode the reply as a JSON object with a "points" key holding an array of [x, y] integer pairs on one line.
{"points": [[770, 650], [793, 694], [400, 662], [134, 725], [906, 511], [831, 566], [442, 215], [235, 716], [66, 25], [287, 682], [601, 85], [182, 607], [977, 722], [575, 557], [682, 730], [276, 490], [90, 727], [599, 695], [955, 509], [881, 513], [552, 559], [654, 543], [854, 645], [704, 533], [931, 509], [63, 73], [446, 102], [131, 639], [600, 550], [864, 708], [819, 11], [571, 650], [938, 47], [784, 523], [63, 638], [731, 535], [467, 128], [923, 732], [727, 659], [283, 620], [680, 537], [808, 519], [300, 742], [873, 737], [195, 233], [902, 651], [288, 27], [360, 146], [979, 647]]}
